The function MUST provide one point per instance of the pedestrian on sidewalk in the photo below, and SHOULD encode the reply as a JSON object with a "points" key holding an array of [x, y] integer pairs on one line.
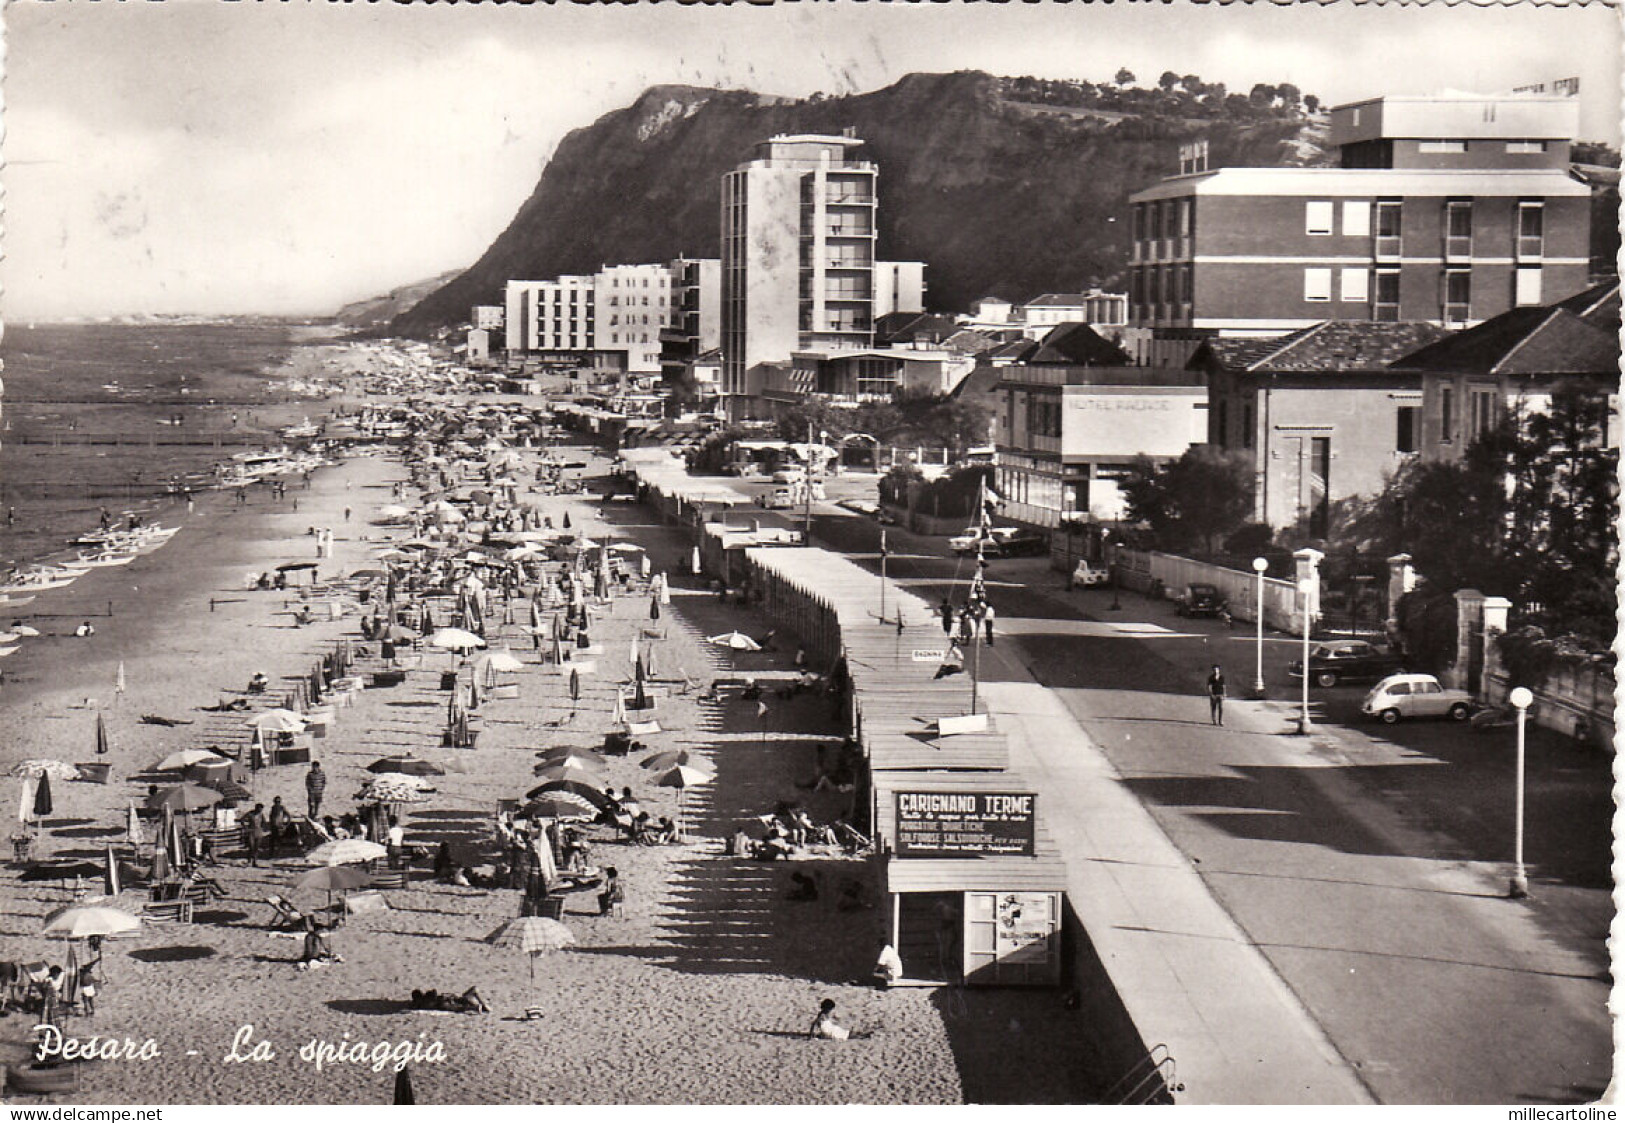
{"points": [[1215, 695], [947, 611], [987, 622]]}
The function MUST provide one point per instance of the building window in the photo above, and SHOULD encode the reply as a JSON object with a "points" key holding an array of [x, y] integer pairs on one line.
{"points": [[1481, 413], [1441, 146], [1357, 219], [1405, 438], [1221, 419], [1385, 296], [1247, 426], [1352, 287], [1527, 286], [1388, 228], [1320, 486], [1317, 284], [1458, 296], [1525, 147], [1447, 414], [1458, 228], [1317, 217], [1189, 287], [1531, 229]]}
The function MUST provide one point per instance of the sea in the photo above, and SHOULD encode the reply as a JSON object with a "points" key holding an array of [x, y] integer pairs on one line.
{"points": [[120, 416]]}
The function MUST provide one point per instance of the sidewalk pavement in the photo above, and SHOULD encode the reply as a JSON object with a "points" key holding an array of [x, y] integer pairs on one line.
{"points": [[1187, 975]]}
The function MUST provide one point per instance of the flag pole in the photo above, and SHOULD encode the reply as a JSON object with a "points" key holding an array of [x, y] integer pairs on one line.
{"points": [[882, 575]]}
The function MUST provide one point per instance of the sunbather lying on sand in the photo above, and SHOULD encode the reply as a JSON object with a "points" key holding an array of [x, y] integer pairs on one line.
{"points": [[469, 1002]]}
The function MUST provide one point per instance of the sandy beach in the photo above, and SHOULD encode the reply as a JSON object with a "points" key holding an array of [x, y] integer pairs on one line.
{"points": [[701, 992]]}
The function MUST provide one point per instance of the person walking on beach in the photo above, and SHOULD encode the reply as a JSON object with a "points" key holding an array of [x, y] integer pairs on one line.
{"points": [[315, 787], [1215, 695], [254, 833]]}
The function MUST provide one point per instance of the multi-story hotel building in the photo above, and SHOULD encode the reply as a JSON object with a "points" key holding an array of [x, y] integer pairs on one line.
{"points": [[1445, 210], [798, 258], [613, 318]]}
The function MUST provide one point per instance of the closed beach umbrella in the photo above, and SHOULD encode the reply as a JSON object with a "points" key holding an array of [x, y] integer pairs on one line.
{"points": [[42, 796], [694, 561], [346, 851], [110, 876], [118, 683], [101, 728], [25, 803], [654, 607], [134, 833], [575, 685], [403, 1088], [565, 521]]}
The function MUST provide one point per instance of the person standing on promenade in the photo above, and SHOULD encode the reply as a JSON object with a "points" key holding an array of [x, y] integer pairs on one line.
{"points": [[987, 622], [947, 611], [315, 787], [1215, 695]]}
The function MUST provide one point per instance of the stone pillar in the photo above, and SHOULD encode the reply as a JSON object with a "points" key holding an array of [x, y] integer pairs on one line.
{"points": [[1469, 621], [1495, 611], [1308, 582], [1401, 580]]}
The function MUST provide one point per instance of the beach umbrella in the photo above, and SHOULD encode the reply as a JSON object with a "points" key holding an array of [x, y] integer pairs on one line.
{"points": [[738, 641], [626, 548], [565, 521], [394, 511], [669, 758], [665, 589], [42, 796], [118, 682], [533, 935], [455, 639], [110, 876], [77, 922], [25, 630], [654, 607], [101, 736], [558, 805], [378, 792], [617, 713], [37, 768], [505, 662], [632, 651], [26, 802], [579, 758], [572, 771], [586, 791], [277, 720], [174, 762], [575, 685], [644, 567], [183, 797], [346, 851], [134, 833], [640, 699], [682, 777], [407, 765], [403, 1087], [230, 790], [401, 779], [694, 561], [331, 878]]}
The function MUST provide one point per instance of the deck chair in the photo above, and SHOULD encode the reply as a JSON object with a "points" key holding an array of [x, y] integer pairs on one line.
{"points": [[285, 915], [168, 912]]}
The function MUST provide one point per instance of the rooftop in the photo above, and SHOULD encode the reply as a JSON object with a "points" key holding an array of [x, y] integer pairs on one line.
{"points": [[1555, 339], [1334, 345]]}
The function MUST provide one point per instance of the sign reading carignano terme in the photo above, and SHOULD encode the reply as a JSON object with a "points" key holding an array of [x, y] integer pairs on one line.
{"points": [[965, 824]]}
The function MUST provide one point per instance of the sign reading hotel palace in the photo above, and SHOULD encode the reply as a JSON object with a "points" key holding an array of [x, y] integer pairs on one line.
{"points": [[965, 824]]}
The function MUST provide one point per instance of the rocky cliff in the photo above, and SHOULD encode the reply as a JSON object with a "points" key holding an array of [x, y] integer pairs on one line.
{"points": [[1001, 186]]}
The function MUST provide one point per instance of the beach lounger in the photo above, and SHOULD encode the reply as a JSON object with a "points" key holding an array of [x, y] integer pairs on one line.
{"points": [[368, 900], [391, 879], [285, 915]]}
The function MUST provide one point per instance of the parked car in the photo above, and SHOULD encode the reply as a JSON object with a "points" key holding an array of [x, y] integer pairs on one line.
{"points": [[1352, 660], [1409, 695], [1087, 575], [779, 498], [1200, 600], [965, 543], [790, 475], [742, 468], [1001, 542]]}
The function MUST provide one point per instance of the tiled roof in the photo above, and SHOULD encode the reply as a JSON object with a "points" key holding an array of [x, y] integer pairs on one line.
{"points": [[1524, 341], [1064, 299], [1333, 345], [983, 380], [1080, 345], [1597, 306], [1017, 350]]}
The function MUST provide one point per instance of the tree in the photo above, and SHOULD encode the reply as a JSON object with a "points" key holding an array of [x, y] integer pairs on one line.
{"points": [[1168, 81], [817, 416], [1195, 501], [1289, 94], [1311, 103], [1125, 77], [1262, 96]]}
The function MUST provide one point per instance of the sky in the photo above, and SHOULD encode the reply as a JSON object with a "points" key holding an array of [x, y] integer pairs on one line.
{"points": [[211, 158]]}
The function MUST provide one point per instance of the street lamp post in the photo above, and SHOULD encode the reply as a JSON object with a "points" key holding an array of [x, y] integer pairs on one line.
{"points": [[1520, 698], [1260, 565], [1308, 624], [882, 575]]}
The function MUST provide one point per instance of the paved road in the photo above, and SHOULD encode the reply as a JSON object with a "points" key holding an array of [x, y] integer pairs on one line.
{"points": [[1366, 863]]}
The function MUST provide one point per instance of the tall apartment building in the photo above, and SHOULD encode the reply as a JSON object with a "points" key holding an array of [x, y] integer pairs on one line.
{"points": [[1445, 210], [613, 317], [695, 324], [798, 254], [899, 287]]}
